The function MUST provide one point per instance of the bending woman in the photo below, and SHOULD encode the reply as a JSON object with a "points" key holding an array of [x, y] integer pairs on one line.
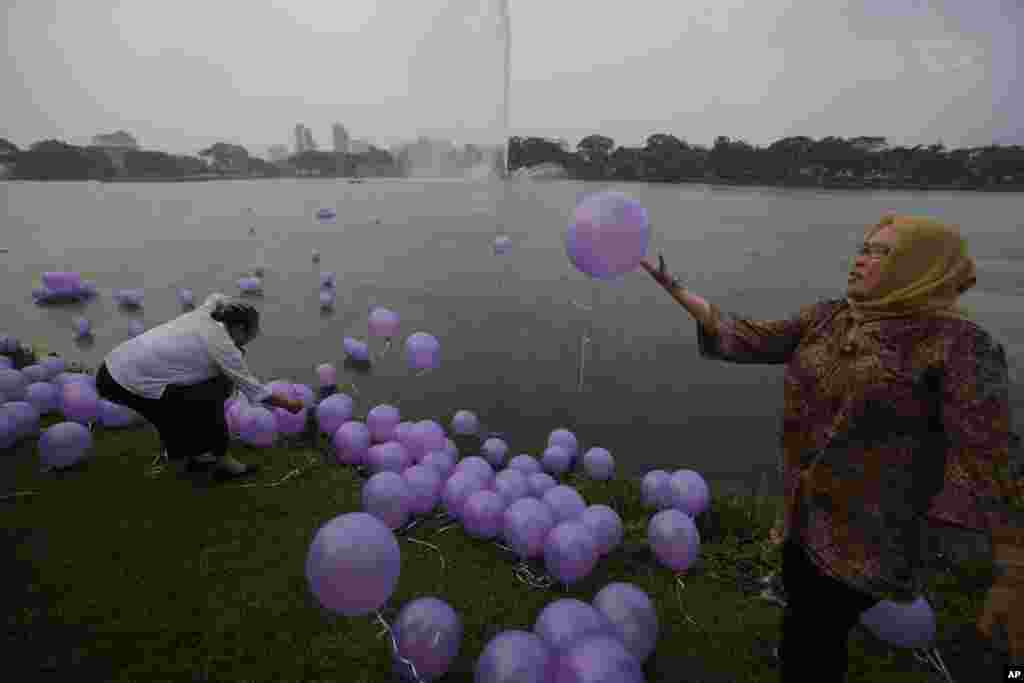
{"points": [[896, 418], [179, 375]]}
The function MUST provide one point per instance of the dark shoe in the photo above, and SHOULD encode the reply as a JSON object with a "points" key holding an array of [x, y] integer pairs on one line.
{"points": [[222, 475]]}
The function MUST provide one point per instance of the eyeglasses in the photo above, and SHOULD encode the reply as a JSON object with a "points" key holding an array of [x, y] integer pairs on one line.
{"points": [[875, 250]]}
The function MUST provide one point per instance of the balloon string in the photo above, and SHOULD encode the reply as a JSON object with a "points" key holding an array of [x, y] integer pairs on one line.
{"points": [[429, 545], [933, 658], [394, 647]]}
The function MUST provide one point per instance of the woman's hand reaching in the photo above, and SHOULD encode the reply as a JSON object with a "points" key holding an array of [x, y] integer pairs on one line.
{"points": [[660, 274]]}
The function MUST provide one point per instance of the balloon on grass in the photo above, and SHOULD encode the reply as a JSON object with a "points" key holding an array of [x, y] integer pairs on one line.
{"points": [[257, 427], [326, 375], [526, 524], [598, 659], [386, 496], [567, 621], [333, 411], [382, 421], [429, 436], [441, 461], [26, 418], [632, 615], [654, 490], [459, 487], [608, 235], [117, 416], [428, 633], [566, 439], [674, 539], [389, 456], [565, 502], [44, 396], [351, 443], [540, 483], [465, 422], [606, 526], [424, 484], [80, 402], [902, 624], [13, 384], [478, 467], [511, 485], [35, 373], [527, 464], [494, 451], [64, 444], [353, 564], [422, 351], [599, 464], [570, 552], [556, 460], [514, 657], [689, 492], [54, 366], [482, 514], [8, 429]]}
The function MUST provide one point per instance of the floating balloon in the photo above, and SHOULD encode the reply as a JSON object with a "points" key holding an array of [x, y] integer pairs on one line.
{"points": [[689, 492], [902, 624], [257, 427], [422, 351], [465, 422], [13, 385], [514, 657], [540, 483], [386, 496], [390, 456], [352, 443], [566, 439], [130, 298], [556, 460], [428, 633], [494, 451], [353, 564], [562, 623], [599, 464], [116, 416], [459, 487], [482, 514], [477, 466], [424, 484], [334, 411], [326, 375], [355, 349], [186, 298], [600, 659], [80, 402], [45, 397], [382, 421], [526, 524], [511, 485], [674, 539], [26, 418], [570, 552], [565, 502], [64, 444], [608, 235], [383, 323], [83, 328], [633, 616], [654, 490]]}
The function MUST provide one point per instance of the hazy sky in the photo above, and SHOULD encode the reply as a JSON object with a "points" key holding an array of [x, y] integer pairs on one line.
{"points": [[181, 75]]}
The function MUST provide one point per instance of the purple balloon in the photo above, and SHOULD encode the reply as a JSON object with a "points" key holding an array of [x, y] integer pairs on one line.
{"points": [[326, 375], [5, 363], [478, 467], [599, 464], [35, 373], [526, 524], [457, 489], [606, 526], [422, 351], [26, 418], [117, 416], [356, 350], [82, 327], [556, 460], [234, 415], [54, 366], [386, 496], [540, 483], [382, 421], [13, 385], [288, 422], [608, 235], [389, 456], [511, 485], [570, 552], [599, 659], [44, 397], [494, 451], [465, 422], [565, 502], [257, 427], [482, 514], [526, 463], [327, 280], [424, 484], [689, 493], [332, 412], [8, 429], [562, 623], [440, 461], [654, 490], [62, 281], [64, 444], [351, 443], [135, 328], [674, 539], [383, 323], [428, 633], [514, 657], [632, 613], [566, 439], [66, 377], [186, 298], [429, 436], [80, 402], [902, 624], [129, 297], [353, 564]]}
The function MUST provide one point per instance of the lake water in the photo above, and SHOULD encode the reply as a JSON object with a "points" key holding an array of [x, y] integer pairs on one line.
{"points": [[509, 331]]}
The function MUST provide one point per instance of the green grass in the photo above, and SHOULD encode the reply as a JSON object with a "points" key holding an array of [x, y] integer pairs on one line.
{"points": [[171, 578]]}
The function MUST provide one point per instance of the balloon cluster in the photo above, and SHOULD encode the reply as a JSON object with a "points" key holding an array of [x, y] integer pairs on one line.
{"points": [[63, 287], [259, 426]]}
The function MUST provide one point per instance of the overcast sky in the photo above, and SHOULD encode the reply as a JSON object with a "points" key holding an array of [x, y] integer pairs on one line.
{"points": [[181, 75]]}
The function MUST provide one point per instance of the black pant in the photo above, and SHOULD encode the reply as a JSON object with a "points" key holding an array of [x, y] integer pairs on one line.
{"points": [[189, 418], [816, 624]]}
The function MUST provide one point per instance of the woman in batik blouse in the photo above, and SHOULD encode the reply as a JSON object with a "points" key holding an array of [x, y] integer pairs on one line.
{"points": [[896, 417]]}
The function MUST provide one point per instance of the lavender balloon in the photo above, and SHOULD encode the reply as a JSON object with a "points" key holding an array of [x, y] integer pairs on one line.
{"points": [[64, 444], [116, 416], [502, 244], [389, 456], [570, 552], [494, 451], [600, 659], [478, 467], [326, 298], [386, 496], [129, 298], [288, 422], [13, 385], [429, 436], [632, 613], [465, 422], [382, 421], [26, 418], [565, 502], [35, 373], [674, 539], [257, 427], [606, 526], [422, 351], [608, 235], [351, 443], [332, 412], [83, 328], [5, 363], [80, 402], [424, 484], [526, 524], [327, 280], [353, 564], [443, 463], [566, 439], [565, 622], [556, 460], [428, 633], [540, 483], [482, 514], [511, 485], [906, 625], [514, 657], [54, 366], [457, 489], [383, 323], [326, 375], [8, 429], [451, 450], [655, 491], [599, 464], [527, 464], [186, 298], [689, 492], [135, 328], [44, 396], [304, 393]]}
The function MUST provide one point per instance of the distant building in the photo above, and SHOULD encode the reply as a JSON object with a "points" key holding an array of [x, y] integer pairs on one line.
{"points": [[277, 154], [115, 145], [340, 138]]}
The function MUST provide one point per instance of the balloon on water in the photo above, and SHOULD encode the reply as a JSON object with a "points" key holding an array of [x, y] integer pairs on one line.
{"points": [[527, 464], [64, 444], [424, 484], [599, 464], [383, 323], [351, 443], [674, 539], [465, 422], [599, 659], [570, 552], [353, 564], [332, 412], [386, 496], [632, 615], [606, 526], [382, 421], [902, 624], [608, 235], [514, 657], [654, 490], [494, 451], [511, 485], [526, 524], [257, 427], [422, 351], [428, 633], [565, 622], [482, 514], [540, 483]]}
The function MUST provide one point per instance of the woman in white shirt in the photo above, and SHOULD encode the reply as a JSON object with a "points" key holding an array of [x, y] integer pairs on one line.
{"points": [[179, 375]]}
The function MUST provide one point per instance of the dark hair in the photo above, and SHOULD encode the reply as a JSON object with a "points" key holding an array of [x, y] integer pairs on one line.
{"points": [[237, 313]]}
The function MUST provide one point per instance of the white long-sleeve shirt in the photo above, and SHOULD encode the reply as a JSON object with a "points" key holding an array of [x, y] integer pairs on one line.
{"points": [[190, 349]]}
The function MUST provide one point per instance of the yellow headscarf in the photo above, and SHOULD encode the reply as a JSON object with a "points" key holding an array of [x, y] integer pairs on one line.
{"points": [[924, 275]]}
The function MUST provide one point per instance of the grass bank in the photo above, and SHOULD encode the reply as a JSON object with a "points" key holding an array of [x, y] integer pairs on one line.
{"points": [[122, 574]]}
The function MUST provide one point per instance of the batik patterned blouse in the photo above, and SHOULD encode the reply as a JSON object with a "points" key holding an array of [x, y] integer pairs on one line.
{"points": [[905, 426]]}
